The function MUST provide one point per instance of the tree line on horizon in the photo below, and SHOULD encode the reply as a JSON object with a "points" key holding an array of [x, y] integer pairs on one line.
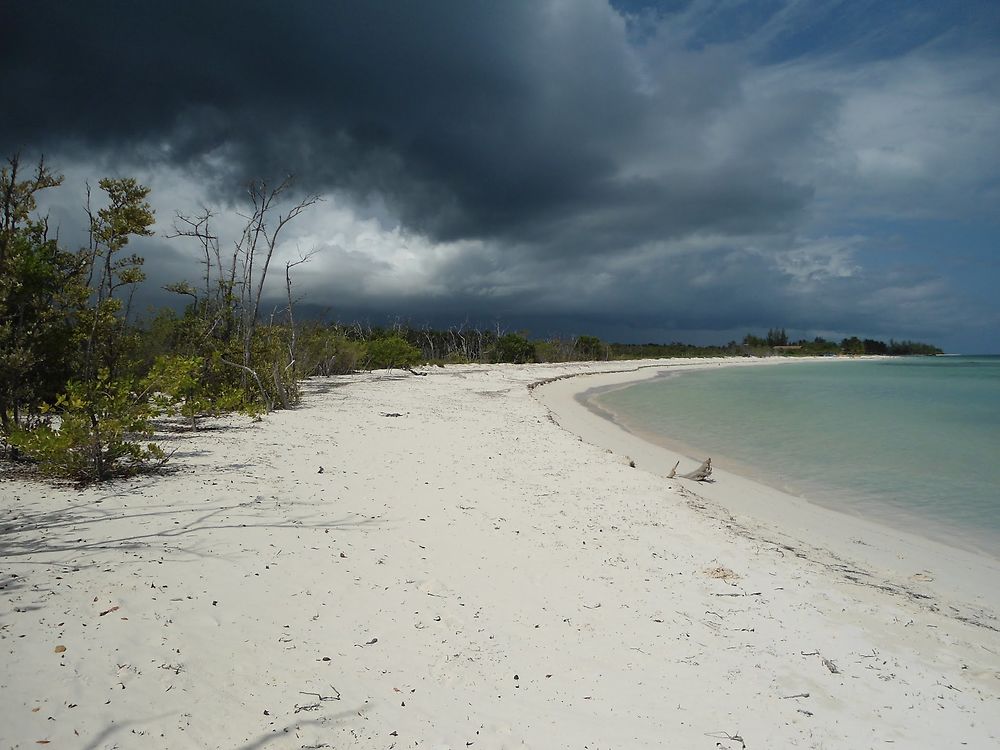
{"points": [[777, 340], [83, 377]]}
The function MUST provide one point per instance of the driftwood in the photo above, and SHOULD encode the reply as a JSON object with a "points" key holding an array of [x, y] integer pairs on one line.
{"points": [[701, 474]]}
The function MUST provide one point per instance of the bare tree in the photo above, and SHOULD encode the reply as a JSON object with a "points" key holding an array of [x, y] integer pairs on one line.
{"points": [[289, 265], [198, 227], [234, 285], [257, 245], [426, 331], [216, 308]]}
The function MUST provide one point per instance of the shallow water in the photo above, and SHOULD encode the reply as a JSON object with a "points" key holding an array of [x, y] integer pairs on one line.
{"points": [[912, 442]]}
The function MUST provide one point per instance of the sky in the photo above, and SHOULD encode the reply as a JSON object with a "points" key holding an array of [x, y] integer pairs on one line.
{"points": [[686, 170]]}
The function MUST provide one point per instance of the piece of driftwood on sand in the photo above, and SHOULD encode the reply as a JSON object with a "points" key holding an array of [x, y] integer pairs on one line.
{"points": [[700, 474]]}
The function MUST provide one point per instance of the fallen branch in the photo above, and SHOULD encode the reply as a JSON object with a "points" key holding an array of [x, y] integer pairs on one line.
{"points": [[702, 473]]}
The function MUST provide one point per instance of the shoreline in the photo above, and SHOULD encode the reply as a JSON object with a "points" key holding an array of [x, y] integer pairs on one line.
{"points": [[910, 563], [435, 562], [952, 535]]}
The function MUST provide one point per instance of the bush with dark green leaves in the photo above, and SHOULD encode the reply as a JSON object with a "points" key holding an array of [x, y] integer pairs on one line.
{"points": [[512, 347], [391, 352], [324, 350], [589, 348]]}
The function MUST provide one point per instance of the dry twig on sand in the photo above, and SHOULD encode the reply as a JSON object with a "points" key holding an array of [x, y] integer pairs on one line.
{"points": [[334, 697], [728, 737]]}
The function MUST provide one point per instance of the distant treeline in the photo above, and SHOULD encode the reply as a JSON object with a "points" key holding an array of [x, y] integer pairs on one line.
{"points": [[463, 344], [777, 340]]}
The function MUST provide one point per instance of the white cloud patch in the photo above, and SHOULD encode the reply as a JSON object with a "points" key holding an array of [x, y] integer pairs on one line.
{"points": [[811, 263], [911, 137]]}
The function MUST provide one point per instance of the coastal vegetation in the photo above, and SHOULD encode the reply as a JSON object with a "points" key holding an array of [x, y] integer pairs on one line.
{"points": [[83, 377]]}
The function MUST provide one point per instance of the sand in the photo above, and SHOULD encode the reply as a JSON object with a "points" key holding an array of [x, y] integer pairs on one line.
{"points": [[479, 571]]}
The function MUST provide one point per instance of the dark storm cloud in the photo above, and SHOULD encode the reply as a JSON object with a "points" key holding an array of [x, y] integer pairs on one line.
{"points": [[656, 169], [472, 119]]}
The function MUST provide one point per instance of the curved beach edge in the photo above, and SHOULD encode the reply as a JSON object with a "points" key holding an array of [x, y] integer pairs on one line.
{"points": [[962, 582]]}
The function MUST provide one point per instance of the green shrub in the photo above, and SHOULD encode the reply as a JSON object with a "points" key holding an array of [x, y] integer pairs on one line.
{"points": [[326, 351], [96, 435], [391, 352], [456, 358], [276, 378], [588, 348], [514, 348], [546, 351], [178, 387]]}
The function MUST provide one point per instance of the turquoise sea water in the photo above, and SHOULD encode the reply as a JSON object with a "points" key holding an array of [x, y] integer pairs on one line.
{"points": [[911, 442]]}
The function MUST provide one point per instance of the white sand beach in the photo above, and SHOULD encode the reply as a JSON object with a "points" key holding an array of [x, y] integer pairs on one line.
{"points": [[460, 561]]}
